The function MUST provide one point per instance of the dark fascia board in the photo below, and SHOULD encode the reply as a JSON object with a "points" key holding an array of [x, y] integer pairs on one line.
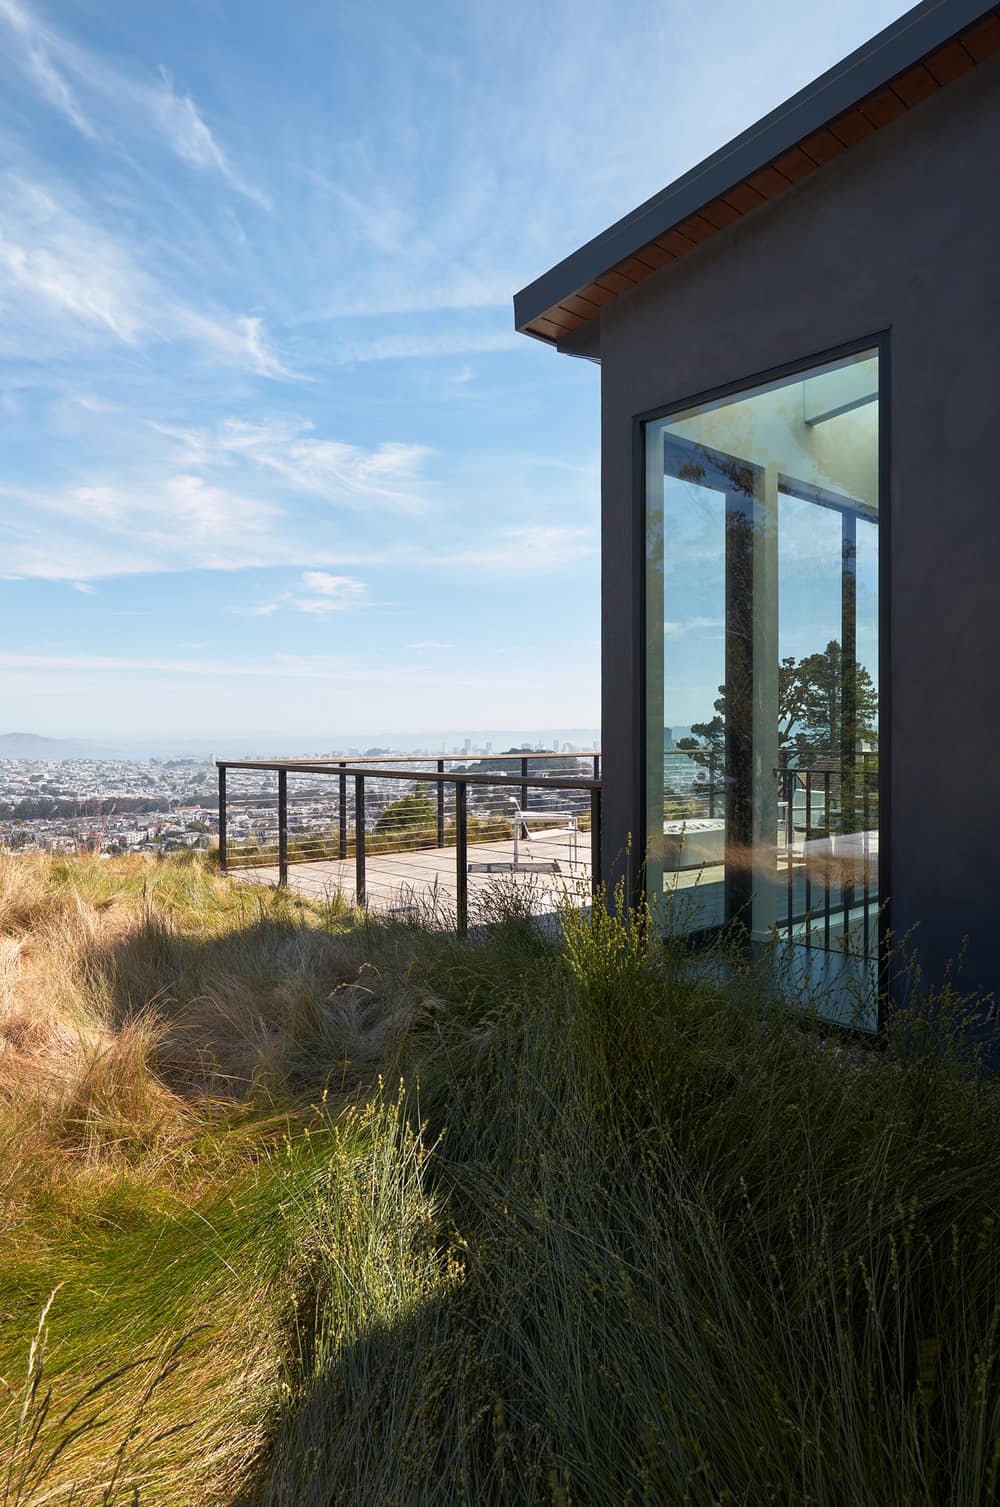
{"points": [[887, 55]]}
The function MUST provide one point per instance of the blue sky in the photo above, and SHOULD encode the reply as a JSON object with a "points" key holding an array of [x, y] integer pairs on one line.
{"points": [[272, 454]]}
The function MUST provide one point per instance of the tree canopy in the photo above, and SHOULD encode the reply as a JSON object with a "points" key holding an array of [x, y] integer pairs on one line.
{"points": [[406, 813]]}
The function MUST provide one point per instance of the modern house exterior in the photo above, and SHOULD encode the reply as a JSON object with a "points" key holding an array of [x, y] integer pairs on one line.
{"points": [[799, 342]]}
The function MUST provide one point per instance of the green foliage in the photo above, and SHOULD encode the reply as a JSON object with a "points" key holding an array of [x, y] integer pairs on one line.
{"points": [[593, 1222], [416, 810], [690, 1250]]}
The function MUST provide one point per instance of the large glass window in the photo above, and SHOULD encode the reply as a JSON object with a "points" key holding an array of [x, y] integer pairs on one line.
{"points": [[762, 695]]}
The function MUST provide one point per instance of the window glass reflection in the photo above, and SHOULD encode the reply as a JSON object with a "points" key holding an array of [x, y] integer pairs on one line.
{"points": [[761, 652]]}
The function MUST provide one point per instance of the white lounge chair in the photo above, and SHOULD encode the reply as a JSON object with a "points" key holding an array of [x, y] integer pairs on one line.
{"points": [[523, 834]]}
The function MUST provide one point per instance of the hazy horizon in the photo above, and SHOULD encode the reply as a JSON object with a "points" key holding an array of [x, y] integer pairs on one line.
{"points": [[263, 741]]}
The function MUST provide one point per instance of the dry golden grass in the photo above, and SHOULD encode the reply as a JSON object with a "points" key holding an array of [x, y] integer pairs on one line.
{"points": [[169, 1044], [130, 988]]}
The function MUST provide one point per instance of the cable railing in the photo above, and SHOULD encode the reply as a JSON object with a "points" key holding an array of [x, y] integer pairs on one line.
{"points": [[828, 821], [420, 837], [414, 837], [808, 849]]}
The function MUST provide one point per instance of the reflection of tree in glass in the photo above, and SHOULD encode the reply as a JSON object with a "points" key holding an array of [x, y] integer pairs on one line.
{"points": [[811, 703], [699, 462], [814, 694]]}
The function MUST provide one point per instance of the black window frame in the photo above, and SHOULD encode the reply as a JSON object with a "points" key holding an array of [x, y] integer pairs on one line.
{"points": [[879, 342]]}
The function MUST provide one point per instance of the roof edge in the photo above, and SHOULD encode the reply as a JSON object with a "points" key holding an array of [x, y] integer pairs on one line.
{"points": [[900, 46]]}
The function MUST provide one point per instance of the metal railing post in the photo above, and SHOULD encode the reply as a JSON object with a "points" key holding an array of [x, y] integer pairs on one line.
{"points": [[342, 813], [524, 788], [866, 869], [788, 783], [461, 858], [595, 840], [829, 865], [597, 766], [223, 855], [711, 784], [440, 804], [359, 839], [282, 826]]}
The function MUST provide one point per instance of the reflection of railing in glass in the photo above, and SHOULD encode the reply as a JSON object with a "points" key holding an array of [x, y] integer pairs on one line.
{"points": [[822, 852], [828, 848]]}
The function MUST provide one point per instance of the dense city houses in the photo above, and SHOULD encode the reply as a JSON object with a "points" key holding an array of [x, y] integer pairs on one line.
{"points": [[162, 805], [115, 806]]}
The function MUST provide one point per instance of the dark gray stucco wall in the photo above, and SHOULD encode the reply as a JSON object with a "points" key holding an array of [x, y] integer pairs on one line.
{"points": [[902, 234]]}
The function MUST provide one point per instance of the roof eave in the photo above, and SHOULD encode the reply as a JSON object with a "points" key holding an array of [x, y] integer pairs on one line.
{"points": [[885, 57]]}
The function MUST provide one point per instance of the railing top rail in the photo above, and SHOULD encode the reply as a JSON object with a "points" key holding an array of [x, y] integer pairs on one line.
{"points": [[424, 758], [432, 776]]}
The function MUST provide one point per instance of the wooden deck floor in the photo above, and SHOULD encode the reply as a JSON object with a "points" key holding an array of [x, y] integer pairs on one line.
{"points": [[423, 883]]}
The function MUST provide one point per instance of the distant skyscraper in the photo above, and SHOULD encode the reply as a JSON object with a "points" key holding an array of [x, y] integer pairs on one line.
{"points": [[668, 738]]}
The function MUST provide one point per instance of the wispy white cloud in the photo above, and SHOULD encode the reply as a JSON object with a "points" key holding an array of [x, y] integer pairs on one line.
{"points": [[241, 341], [46, 56], [83, 279], [375, 217], [392, 292], [335, 589], [55, 89], [388, 475], [181, 522], [674, 627], [428, 643], [16, 16], [422, 345], [529, 550], [320, 593], [277, 667], [93, 404], [68, 265], [184, 128], [533, 547]]}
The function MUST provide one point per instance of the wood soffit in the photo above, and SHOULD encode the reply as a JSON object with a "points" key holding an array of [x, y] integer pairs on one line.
{"points": [[876, 110]]}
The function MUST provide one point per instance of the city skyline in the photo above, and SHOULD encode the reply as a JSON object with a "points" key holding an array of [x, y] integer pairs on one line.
{"points": [[201, 744]]}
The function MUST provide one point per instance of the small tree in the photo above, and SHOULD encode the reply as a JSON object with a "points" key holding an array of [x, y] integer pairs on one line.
{"points": [[409, 813]]}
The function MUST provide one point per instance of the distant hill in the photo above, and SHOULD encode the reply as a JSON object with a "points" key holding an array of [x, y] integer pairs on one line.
{"points": [[34, 746]]}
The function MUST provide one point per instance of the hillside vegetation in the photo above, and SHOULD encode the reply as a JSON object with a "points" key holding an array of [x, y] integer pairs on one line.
{"points": [[303, 1208]]}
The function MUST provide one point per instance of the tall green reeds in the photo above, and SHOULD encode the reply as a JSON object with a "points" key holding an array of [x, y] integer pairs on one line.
{"points": [[710, 1255]]}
